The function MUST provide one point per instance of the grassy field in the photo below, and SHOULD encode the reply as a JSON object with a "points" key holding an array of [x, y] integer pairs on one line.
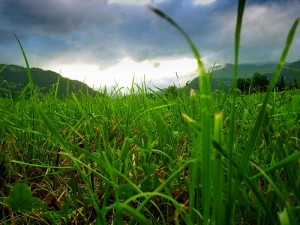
{"points": [[150, 158], [130, 158]]}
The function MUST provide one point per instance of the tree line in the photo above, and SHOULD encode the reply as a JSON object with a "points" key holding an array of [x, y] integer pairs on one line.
{"points": [[259, 83]]}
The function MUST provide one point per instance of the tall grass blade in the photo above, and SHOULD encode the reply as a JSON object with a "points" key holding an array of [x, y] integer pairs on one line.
{"points": [[290, 159], [217, 211], [231, 204], [57, 87], [205, 137], [33, 100], [68, 88], [53, 130], [30, 80], [253, 138], [184, 34], [260, 120]]}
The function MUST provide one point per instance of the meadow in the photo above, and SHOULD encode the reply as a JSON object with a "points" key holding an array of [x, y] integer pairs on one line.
{"points": [[150, 158]]}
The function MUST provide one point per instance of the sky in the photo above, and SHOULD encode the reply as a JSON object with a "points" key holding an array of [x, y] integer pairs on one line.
{"points": [[117, 42]]}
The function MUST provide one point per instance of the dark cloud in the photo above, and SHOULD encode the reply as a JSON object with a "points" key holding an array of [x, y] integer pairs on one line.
{"points": [[55, 16], [97, 32]]}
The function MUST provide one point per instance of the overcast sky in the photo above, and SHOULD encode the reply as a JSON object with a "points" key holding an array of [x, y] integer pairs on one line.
{"points": [[104, 42]]}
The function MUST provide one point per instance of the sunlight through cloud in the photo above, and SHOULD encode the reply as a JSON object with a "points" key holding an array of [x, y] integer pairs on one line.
{"points": [[203, 2], [162, 72]]}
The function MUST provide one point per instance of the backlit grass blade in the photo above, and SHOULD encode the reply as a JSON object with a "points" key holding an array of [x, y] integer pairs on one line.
{"points": [[33, 100], [205, 137], [184, 34], [30, 80]]}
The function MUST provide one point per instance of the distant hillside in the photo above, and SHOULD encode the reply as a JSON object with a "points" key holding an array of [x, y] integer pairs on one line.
{"points": [[290, 72], [244, 70], [224, 76], [14, 78]]}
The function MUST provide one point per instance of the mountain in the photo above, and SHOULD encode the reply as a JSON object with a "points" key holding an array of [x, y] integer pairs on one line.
{"points": [[223, 76], [13, 79], [244, 70], [290, 72]]}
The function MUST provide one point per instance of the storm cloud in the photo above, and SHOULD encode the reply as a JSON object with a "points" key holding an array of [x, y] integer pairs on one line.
{"points": [[103, 32]]}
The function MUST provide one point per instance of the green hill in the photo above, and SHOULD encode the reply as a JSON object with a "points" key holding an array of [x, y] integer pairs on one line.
{"points": [[244, 70], [290, 72], [224, 76], [13, 79]]}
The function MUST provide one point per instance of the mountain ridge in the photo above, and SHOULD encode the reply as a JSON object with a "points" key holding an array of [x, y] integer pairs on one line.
{"points": [[14, 78]]}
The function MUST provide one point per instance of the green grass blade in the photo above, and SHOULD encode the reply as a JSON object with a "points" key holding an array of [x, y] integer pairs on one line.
{"points": [[68, 88], [231, 203], [184, 34], [253, 138], [57, 86], [205, 137], [161, 187], [32, 91], [53, 130], [238, 29], [260, 120], [292, 158], [158, 194], [136, 215], [30, 80], [2, 68], [217, 211], [41, 166]]}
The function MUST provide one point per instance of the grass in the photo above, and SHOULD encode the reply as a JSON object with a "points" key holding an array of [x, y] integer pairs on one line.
{"points": [[148, 158], [90, 160]]}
